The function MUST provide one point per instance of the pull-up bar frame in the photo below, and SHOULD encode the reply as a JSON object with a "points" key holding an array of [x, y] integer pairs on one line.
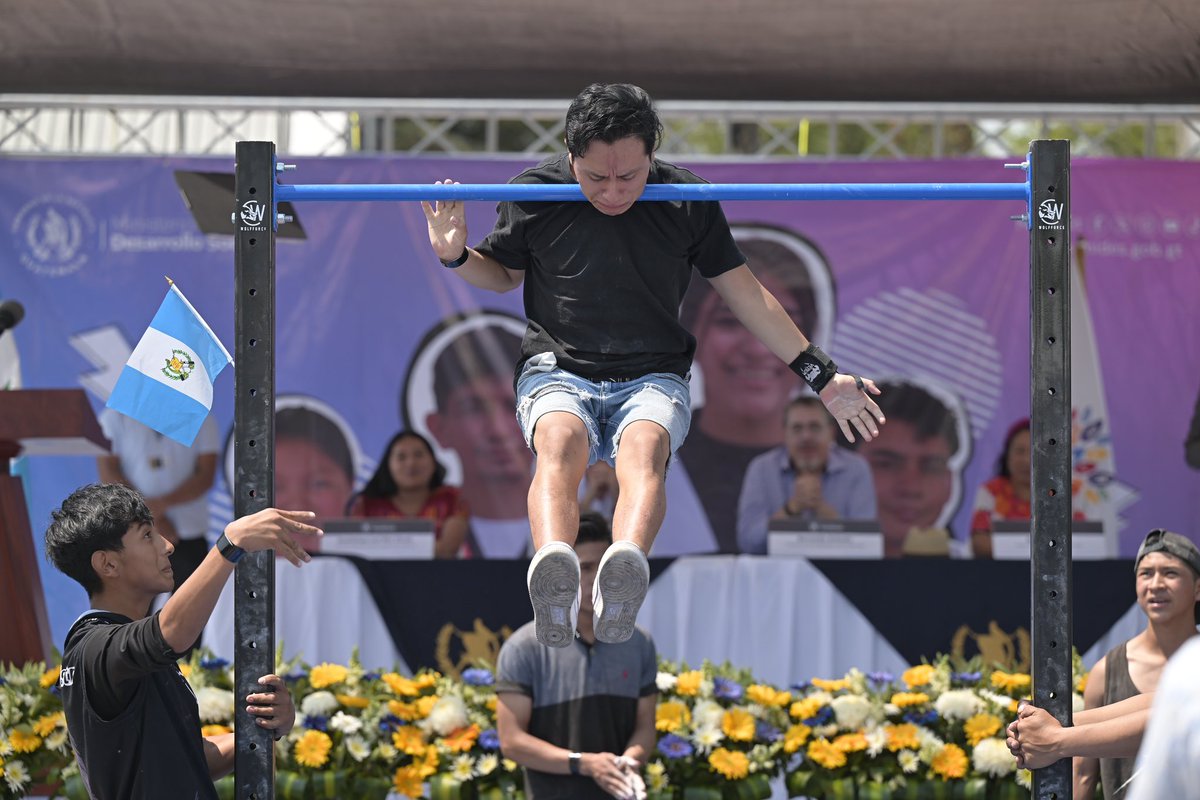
{"points": [[1045, 194]]}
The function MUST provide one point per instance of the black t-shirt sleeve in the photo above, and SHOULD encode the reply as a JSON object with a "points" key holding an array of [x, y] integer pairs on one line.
{"points": [[507, 243], [713, 250], [113, 656]]}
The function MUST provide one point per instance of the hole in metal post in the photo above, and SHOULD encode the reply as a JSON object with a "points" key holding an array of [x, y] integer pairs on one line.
{"points": [[253, 746], [1053, 593], [253, 493], [253, 342], [1051, 340], [1051, 543], [1048, 391], [252, 594], [1053, 442], [253, 292], [255, 191], [253, 645], [1050, 290], [1052, 492], [253, 242], [253, 392], [1054, 644], [1049, 189], [1049, 240], [251, 443], [1053, 695]]}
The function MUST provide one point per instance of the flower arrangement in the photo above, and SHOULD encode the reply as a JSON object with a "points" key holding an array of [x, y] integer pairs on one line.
{"points": [[721, 734]]}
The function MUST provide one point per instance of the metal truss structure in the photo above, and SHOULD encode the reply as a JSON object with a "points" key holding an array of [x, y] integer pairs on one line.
{"points": [[92, 125]]}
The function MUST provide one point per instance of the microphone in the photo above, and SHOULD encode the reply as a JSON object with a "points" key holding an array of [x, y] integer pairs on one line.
{"points": [[11, 314]]}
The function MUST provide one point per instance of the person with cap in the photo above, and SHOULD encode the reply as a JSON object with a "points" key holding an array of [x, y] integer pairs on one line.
{"points": [[1167, 571]]}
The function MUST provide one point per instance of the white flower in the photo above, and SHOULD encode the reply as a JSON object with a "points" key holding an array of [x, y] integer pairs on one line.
{"points": [[57, 741], [216, 705], [487, 764], [993, 758], [448, 715], [665, 681], [1024, 779], [876, 741], [891, 709], [344, 723], [931, 745], [958, 704], [28, 698], [5, 747], [319, 704], [463, 769], [656, 776], [357, 748], [909, 761], [706, 687], [825, 731], [385, 752], [1077, 703], [851, 711], [824, 697], [16, 776], [707, 737], [707, 714]]}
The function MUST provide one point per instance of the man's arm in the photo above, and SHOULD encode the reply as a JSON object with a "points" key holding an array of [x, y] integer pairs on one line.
{"points": [[642, 741], [218, 753], [513, 712], [448, 236], [1087, 770], [1038, 739]]}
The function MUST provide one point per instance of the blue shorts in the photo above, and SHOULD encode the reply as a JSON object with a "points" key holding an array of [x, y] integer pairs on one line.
{"points": [[606, 407]]}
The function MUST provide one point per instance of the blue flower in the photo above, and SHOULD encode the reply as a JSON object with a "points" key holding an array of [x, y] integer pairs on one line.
{"points": [[478, 677], [489, 739], [801, 687], [317, 723], [213, 663], [371, 676], [673, 746], [880, 678], [726, 689], [823, 716], [927, 718], [966, 677], [2, 681], [390, 722], [767, 732], [54, 690], [295, 675]]}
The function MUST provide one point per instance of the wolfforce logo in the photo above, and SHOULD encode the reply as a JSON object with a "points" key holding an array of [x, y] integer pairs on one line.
{"points": [[253, 213], [54, 235], [810, 372], [1050, 212], [66, 677]]}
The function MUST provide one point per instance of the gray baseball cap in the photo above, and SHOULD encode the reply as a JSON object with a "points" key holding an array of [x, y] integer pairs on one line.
{"points": [[1164, 541]]}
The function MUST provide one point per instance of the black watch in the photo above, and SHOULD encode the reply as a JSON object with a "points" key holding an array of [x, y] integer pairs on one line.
{"points": [[231, 551], [458, 262], [573, 761]]}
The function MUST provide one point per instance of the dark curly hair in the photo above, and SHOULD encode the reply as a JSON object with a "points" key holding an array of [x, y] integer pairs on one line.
{"points": [[93, 518], [609, 112]]}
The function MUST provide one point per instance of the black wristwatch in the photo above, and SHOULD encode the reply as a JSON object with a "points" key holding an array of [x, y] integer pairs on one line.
{"points": [[231, 551], [573, 761]]}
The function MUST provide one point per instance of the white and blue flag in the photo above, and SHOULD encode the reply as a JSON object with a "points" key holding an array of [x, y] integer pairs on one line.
{"points": [[167, 384]]}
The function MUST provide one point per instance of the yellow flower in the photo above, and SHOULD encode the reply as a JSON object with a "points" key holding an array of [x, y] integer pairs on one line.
{"points": [[46, 725], [400, 684], [671, 716], [1081, 687], [351, 701], [324, 675], [733, 764], [510, 765], [807, 708], [214, 730], [951, 762], [902, 737], [795, 738], [905, 699], [428, 765], [425, 705], [918, 676], [1005, 681], [50, 677], [313, 749], [767, 695], [851, 743], [825, 754], [689, 682], [831, 686], [463, 739], [738, 725], [490, 704], [407, 781], [980, 727], [24, 742], [426, 680], [185, 669], [409, 739]]}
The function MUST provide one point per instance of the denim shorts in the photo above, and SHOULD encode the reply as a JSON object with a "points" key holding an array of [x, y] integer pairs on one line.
{"points": [[606, 407]]}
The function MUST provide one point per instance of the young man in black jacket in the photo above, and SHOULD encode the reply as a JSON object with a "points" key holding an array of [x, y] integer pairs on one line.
{"points": [[131, 715]]}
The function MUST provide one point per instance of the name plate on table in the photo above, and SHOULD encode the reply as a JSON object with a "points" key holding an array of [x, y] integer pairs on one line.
{"points": [[381, 538], [833, 539], [1010, 541]]}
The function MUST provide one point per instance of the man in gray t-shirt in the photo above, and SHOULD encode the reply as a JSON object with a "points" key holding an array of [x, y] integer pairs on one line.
{"points": [[580, 718]]}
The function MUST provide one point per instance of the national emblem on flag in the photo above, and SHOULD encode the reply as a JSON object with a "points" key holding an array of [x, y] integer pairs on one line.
{"points": [[167, 384]]}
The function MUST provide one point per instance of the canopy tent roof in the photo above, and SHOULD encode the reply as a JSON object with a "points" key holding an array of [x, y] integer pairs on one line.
{"points": [[1070, 51]]}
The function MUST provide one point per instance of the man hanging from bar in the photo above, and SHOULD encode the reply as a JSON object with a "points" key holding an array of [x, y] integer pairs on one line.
{"points": [[605, 361]]}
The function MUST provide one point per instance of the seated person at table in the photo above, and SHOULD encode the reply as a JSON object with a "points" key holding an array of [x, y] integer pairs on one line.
{"points": [[579, 718], [1167, 580], [409, 483], [1005, 497], [131, 716], [806, 477]]}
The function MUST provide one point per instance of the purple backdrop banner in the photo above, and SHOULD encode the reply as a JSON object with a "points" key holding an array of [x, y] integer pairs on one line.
{"points": [[930, 293]]}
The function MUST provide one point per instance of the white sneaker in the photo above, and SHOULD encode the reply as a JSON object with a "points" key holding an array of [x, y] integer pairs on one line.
{"points": [[553, 580], [620, 588]]}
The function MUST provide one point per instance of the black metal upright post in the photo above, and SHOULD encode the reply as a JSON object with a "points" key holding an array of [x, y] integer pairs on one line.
{"points": [[254, 453], [1050, 407]]}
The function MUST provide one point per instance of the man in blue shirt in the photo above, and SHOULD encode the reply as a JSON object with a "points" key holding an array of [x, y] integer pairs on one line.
{"points": [[806, 476]]}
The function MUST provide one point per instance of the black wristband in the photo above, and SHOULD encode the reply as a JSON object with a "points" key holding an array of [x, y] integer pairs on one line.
{"points": [[573, 763], [229, 550], [816, 368], [458, 262]]}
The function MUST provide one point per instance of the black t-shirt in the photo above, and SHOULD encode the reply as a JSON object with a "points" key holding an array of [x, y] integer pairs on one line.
{"points": [[602, 293], [131, 715]]}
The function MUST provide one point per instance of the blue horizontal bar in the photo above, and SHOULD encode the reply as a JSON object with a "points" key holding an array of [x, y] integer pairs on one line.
{"points": [[658, 191]]}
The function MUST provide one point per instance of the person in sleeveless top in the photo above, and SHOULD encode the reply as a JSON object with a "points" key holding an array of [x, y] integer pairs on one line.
{"points": [[1167, 580]]}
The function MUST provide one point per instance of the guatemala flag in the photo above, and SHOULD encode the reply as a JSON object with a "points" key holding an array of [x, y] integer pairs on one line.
{"points": [[167, 384]]}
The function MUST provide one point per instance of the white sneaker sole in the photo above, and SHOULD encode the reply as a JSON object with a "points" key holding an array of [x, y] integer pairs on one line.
{"points": [[621, 585], [554, 593]]}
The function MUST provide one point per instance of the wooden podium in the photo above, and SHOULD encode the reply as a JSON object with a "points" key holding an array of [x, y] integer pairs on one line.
{"points": [[33, 422]]}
